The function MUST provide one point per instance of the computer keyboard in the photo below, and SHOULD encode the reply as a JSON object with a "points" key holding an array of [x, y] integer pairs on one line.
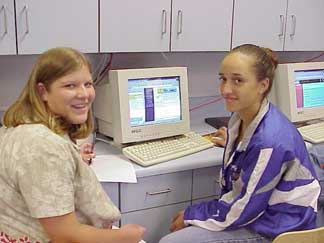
{"points": [[161, 150], [313, 133]]}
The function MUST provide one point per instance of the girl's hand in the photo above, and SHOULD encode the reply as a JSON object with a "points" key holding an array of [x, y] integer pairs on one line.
{"points": [[87, 152], [177, 222], [133, 232], [219, 137]]}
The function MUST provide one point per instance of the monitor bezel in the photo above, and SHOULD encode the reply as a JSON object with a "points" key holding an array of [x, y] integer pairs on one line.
{"points": [[285, 87], [123, 132]]}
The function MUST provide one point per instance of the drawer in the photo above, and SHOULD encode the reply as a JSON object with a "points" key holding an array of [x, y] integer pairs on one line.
{"points": [[206, 182], [154, 191], [157, 221], [112, 191]]}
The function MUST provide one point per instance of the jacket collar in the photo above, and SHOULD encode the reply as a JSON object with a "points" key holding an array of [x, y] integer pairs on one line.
{"points": [[234, 126]]}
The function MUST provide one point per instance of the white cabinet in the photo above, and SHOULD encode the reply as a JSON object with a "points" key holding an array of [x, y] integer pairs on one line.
{"points": [[112, 189], [279, 24], [206, 182], [154, 200], [147, 26], [156, 220], [203, 25], [7, 28], [159, 25], [134, 26], [304, 29], [44, 24], [259, 22]]}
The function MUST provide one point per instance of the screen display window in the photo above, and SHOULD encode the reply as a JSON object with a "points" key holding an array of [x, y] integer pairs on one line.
{"points": [[309, 87], [154, 100]]}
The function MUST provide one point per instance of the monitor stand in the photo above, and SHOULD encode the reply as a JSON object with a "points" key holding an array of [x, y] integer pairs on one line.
{"points": [[217, 122]]}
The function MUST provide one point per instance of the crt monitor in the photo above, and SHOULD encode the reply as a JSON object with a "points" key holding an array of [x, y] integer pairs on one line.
{"points": [[299, 89], [142, 104]]}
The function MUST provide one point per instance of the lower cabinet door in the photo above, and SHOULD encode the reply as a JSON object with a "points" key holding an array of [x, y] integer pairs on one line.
{"points": [[206, 182], [111, 189], [156, 220]]}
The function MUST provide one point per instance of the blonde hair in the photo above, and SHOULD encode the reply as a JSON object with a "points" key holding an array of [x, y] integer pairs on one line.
{"points": [[265, 61], [31, 109]]}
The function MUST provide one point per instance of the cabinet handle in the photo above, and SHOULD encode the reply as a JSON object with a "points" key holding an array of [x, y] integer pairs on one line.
{"points": [[293, 25], [164, 21], [179, 22], [159, 192], [282, 24], [3, 8], [25, 9]]}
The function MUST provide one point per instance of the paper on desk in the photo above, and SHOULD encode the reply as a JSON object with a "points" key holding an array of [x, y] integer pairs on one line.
{"points": [[113, 168]]}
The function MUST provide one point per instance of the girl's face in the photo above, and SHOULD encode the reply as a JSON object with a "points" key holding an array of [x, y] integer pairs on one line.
{"points": [[71, 96], [241, 90]]}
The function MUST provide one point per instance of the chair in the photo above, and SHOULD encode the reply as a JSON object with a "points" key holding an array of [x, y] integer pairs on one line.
{"points": [[304, 236]]}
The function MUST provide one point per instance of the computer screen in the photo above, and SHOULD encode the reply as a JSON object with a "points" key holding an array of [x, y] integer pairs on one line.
{"points": [[154, 100], [299, 90], [142, 104], [309, 88]]}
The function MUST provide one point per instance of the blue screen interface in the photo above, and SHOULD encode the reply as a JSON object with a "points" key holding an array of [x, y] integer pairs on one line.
{"points": [[309, 88], [154, 100]]}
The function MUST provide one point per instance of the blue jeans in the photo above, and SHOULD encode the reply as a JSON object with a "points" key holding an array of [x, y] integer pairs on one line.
{"points": [[195, 234]]}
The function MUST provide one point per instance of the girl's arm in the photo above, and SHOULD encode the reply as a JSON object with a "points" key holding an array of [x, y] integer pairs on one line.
{"points": [[67, 229], [244, 203]]}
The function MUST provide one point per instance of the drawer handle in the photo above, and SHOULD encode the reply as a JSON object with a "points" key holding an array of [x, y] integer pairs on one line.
{"points": [[293, 26], [179, 22], [158, 192], [217, 181], [164, 21], [5, 20], [25, 9], [282, 25]]}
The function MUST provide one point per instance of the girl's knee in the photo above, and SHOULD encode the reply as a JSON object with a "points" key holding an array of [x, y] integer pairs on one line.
{"points": [[165, 239], [172, 238]]}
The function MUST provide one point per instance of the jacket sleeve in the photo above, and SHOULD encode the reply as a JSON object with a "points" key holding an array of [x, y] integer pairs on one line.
{"points": [[247, 200]]}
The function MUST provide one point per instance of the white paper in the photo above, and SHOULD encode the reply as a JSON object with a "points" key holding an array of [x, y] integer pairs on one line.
{"points": [[113, 168]]}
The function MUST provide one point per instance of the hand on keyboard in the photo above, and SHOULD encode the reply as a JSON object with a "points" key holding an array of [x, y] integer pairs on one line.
{"points": [[218, 138], [157, 151]]}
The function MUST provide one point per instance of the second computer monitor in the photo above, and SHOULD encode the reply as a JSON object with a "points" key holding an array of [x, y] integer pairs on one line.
{"points": [[143, 104], [299, 89]]}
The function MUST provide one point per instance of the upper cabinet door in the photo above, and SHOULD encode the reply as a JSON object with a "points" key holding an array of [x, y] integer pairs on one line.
{"points": [[203, 25], [44, 24], [134, 26], [305, 23], [260, 22], [7, 28]]}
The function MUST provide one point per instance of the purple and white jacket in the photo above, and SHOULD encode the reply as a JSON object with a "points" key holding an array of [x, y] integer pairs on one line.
{"points": [[268, 181]]}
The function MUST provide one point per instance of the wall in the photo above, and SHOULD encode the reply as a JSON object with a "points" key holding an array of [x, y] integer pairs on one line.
{"points": [[202, 69]]}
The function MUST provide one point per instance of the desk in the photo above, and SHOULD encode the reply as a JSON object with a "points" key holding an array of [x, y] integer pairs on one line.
{"points": [[164, 189]]}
